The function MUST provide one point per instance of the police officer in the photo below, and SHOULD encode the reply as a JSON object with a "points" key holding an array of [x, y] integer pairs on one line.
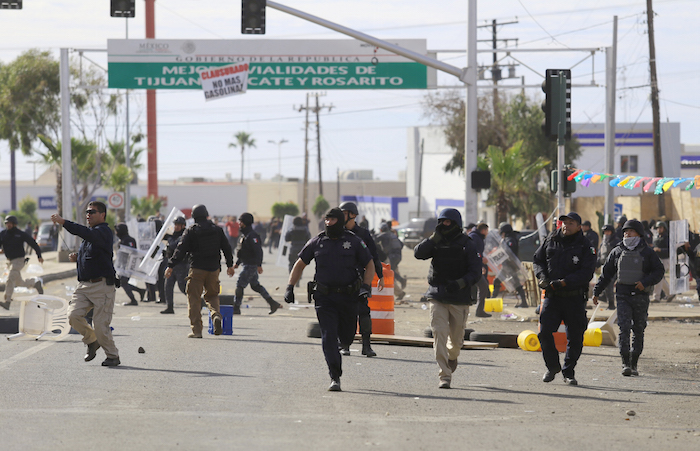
{"points": [[298, 236], [637, 269], [203, 242], [338, 253], [12, 241], [661, 246], [478, 234], [511, 239], [454, 269], [96, 282], [250, 255], [350, 212], [160, 279], [609, 243], [122, 231], [590, 234], [180, 270], [564, 265]]}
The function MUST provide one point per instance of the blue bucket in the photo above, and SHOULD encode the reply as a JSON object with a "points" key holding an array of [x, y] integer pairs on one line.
{"points": [[227, 315]]}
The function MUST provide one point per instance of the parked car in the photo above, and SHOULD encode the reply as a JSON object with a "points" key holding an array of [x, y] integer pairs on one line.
{"points": [[44, 238], [414, 231]]}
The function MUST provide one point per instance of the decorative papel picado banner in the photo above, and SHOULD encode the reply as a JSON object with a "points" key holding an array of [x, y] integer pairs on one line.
{"points": [[657, 185]]}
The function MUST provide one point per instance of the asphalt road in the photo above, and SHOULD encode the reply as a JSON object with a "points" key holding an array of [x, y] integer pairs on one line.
{"points": [[264, 388]]}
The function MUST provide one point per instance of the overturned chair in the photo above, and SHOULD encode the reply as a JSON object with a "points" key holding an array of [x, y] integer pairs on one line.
{"points": [[42, 316], [606, 327]]}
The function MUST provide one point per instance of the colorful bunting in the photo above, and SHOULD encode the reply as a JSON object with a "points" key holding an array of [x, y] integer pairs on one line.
{"points": [[659, 185]]}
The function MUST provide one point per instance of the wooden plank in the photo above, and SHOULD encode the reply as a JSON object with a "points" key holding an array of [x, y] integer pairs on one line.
{"points": [[421, 341]]}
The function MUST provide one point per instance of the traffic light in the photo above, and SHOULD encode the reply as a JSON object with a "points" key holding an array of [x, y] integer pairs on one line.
{"points": [[253, 16], [122, 8], [557, 103], [569, 185], [10, 4]]}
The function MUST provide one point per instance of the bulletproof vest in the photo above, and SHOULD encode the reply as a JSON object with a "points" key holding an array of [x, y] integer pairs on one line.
{"points": [[206, 241], [448, 261], [629, 266]]}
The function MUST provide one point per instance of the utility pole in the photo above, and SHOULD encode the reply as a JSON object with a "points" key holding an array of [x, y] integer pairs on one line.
{"points": [[658, 161], [305, 200], [610, 88], [317, 110], [151, 111]]}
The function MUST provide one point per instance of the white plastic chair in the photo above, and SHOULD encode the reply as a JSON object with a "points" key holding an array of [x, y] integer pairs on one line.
{"points": [[43, 316], [606, 327]]}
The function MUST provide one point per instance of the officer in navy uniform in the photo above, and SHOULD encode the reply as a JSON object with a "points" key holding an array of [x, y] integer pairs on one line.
{"points": [[203, 243], [564, 265], [349, 209], [338, 253], [637, 269], [511, 239], [126, 240], [250, 255], [180, 270]]}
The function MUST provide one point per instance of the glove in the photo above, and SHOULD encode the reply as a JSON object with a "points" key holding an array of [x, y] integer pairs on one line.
{"points": [[544, 283], [557, 284], [436, 237], [289, 294], [453, 286], [365, 291]]}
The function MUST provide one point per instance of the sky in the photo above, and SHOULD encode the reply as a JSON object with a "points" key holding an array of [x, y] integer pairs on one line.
{"points": [[367, 129]]}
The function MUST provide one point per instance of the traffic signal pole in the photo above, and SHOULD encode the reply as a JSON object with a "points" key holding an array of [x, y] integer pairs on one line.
{"points": [[561, 141]]}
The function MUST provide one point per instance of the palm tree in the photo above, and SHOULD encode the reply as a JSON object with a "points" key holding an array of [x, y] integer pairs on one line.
{"points": [[243, 140], [513, 180]]}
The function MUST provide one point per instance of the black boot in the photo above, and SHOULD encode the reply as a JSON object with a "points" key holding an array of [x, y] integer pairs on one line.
{"points": [[366, 331], [611, 305], [634, 359], [626, 368], [523, 298], [366, 348]]}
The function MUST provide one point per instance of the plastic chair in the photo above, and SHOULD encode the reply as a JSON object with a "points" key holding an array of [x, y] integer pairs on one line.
{"points": [[43, 316], [606, 327]]}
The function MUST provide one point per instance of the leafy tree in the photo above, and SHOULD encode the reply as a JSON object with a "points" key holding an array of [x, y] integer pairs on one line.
{"points": [[243, 140], [26, 212], [279, 209], [29, 102], [146, 206], [511, 180], [320, 206]]}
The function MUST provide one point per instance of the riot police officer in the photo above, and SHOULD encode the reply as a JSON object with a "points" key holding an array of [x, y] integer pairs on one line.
{"points": [[511, 239], [637, 269], [338, 253], [564, 265], [455, 268], [349, 209], [180, 270], [203, 242], [126, 240]]}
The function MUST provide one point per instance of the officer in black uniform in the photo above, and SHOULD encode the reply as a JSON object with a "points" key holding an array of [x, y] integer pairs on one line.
{"points": [[349, 209], [338, 253], [511, 239], [12, 241], [609, 243], [637, 269], [298, 236], [180, 270], [564, 265], [126, 240], [250, 255], [203, 243]]}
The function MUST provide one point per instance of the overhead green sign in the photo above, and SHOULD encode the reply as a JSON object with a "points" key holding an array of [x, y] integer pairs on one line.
{"points": [[274, 64]]}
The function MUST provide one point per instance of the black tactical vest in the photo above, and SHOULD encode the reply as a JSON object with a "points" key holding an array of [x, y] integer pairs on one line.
{"points": [[449, 262], [630, 266]]}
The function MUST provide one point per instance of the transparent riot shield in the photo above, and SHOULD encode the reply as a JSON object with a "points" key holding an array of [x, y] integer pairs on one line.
{"points": [[283, 249], [503, 262], [679, 262]]}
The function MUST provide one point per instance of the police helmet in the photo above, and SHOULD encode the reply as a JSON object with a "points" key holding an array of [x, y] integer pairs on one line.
{"points": [[608, 228], [349, 206], [634, 225], [199, 211], [336, 213], [384, 227], [659, 224], [451, 214], [121, 229], [179, 220], [246, 219], [11, 219], [504, 227]]}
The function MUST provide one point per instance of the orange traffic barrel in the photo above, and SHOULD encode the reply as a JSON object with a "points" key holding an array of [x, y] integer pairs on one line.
{"points": [[381, 304]]}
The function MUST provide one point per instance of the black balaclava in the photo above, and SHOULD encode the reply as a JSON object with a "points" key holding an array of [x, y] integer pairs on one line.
{"points": [[247, 220], [336, 230]]}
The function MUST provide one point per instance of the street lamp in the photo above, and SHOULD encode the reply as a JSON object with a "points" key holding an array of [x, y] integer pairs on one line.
{"points": [[279, 166]]}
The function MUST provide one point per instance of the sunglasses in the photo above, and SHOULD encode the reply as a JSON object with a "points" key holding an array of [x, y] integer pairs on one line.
{"points": [[92, 211]]}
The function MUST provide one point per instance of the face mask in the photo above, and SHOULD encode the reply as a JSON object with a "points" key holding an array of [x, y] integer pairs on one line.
{"points": [[449, 231], [335, 230], [630, 242]]}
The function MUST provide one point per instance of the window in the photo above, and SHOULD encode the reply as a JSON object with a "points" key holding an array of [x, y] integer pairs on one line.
{"points": [[628, 164]]}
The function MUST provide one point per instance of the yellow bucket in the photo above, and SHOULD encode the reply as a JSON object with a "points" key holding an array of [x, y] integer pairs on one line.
{"points": [[528, 341], [493, 305], [592, 337]]}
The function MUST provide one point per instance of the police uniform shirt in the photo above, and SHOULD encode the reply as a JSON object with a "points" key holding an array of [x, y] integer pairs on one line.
{"points": [[365, 236], [250, 252], [96, 251], [127, 240], [571, 258], [336, 260], [652, 269], [12, 242]]}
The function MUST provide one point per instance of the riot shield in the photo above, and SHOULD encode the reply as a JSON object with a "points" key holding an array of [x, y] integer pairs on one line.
{"points": [[503, 262], [679, 262], [283, 248]]}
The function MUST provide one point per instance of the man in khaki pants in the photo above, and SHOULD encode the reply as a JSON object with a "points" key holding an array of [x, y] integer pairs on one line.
{"points": [[12, 241], [204, 242], [96, 282]]}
